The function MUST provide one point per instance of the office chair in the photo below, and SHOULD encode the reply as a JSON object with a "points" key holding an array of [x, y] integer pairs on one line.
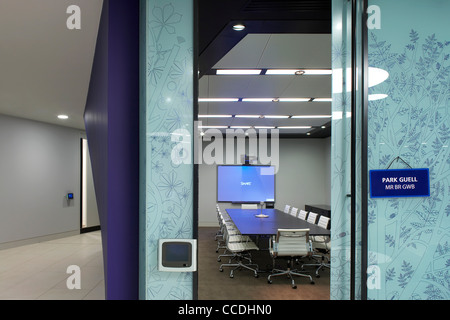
{"points": [[302, 214], [226, 222], [239, 251], [294, 212], [287, 208], [289, 244], [321, 246], [312, 217], [324, 222], [221, 217], [219, 234]]}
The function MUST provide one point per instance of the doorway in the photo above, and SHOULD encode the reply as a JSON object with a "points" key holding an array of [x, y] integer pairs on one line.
{"points": [[268, 45], [89, 218]]}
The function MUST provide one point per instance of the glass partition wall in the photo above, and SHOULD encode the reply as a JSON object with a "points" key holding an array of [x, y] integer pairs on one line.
{"points": [[408, 127], [167, 186], [390, 110], [391, 96], [348, 106]]}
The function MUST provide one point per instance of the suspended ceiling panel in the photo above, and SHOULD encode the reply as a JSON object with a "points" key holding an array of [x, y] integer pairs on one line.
{"points": [[308, 51], [280, 51]]}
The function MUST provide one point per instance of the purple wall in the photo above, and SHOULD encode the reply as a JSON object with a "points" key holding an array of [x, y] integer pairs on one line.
{"points": [[112, 128]]}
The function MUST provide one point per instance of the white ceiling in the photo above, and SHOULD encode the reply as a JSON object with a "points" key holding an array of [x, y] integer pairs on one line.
{"points": [[45, 68], [308, 51]]}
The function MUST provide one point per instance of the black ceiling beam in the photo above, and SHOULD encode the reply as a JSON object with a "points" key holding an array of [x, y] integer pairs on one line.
{"points": [[217, 17], [229, 38]]}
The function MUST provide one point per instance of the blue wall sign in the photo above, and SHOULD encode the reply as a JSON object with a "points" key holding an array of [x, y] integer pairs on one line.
{"points": [[399, 183]]}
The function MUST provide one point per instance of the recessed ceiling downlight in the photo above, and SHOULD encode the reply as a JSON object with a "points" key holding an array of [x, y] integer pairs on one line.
{"points": [[238, 27], [63, 117]]}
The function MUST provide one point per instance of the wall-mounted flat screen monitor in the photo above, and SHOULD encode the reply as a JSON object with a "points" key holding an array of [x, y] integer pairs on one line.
{"points": [[245, 184]]}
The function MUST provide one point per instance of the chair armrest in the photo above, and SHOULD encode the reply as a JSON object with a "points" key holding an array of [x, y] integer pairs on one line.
{"points": [[273, 246], [321, 239], [310, 246], [271, 242]]}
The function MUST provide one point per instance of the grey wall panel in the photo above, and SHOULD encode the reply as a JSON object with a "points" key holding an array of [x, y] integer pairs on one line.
{"points": [[39, 165]]}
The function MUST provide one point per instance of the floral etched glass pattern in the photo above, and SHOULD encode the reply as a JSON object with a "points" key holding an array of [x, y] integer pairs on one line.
{"points": [[409, 237], [341, 151], [167, 102]]}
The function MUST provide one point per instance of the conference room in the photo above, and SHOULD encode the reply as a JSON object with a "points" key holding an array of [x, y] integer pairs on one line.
{"points": [[264, 161]]}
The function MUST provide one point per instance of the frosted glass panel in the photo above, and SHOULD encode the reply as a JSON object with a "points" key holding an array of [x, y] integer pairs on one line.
{"points": [[166, 141], [408, 237], [346, 144], [341, 151]]}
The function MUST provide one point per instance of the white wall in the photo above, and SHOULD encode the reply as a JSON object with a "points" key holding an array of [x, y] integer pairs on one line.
{"points": [[303, 178], [39, 165]]}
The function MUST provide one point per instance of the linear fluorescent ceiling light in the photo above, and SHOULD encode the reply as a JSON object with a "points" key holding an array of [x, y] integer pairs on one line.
{"points": [[298, 72], [63, 117], [293, 99], [275, 99], [238, 71], [311, 117], [295, 127], [218, 100], [282, 71], [258, 99], [322, 100], [262, 99], [247, 116], [240, 127], [318, 72], [214, 115], [264, 127], [276, 117]]}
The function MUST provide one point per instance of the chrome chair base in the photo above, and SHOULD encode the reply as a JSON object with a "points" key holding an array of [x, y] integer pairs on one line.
{"points": [[320, 265], [239, 265], [289, 273]]}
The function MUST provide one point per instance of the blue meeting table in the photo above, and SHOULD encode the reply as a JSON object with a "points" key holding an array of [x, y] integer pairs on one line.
{"points": [[248, 222]]}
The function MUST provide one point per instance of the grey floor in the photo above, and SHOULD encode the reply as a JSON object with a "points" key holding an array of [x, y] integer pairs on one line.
{"points": [[39, 271]]}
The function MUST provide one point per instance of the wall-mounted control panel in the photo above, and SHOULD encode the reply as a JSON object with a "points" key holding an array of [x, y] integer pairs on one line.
{"points": [[177, 255]]}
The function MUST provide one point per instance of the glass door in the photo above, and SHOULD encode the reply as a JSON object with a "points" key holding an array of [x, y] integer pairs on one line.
{"points": [[409, 130], [390, 155], [349, 64]]}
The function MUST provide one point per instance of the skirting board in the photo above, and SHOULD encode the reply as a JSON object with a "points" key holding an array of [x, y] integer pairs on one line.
{"points": [[18, 243]]}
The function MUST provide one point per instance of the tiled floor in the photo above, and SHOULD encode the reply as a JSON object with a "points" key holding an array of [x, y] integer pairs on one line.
{"points": [[39, 271]]}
